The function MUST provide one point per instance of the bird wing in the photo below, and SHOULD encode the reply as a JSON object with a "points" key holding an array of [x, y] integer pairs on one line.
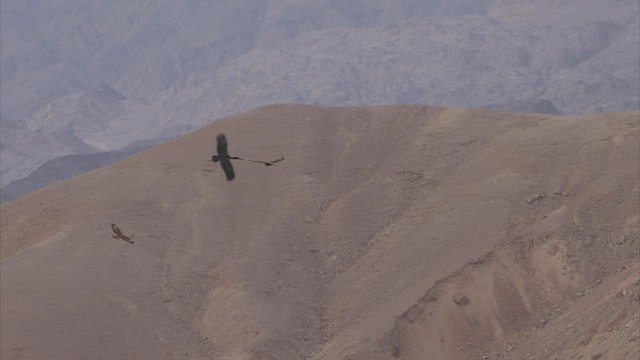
{"points": [[228, 168], [116, 230], [267, 163], [222, 145], [127, 239]]}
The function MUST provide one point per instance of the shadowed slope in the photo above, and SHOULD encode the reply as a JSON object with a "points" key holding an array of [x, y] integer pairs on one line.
{"points": [[315, 257]]}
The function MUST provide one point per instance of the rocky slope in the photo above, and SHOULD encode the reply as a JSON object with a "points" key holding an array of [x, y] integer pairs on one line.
{"points": [[387, 232], [177, 66]]}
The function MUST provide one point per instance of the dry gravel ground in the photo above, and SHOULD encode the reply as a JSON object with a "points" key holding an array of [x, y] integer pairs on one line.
{"points": [[409, 232]]}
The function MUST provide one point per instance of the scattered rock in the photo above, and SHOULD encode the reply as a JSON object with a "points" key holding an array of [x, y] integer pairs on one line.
{"points": [[533, 198], [586, 338], [460, 299]]}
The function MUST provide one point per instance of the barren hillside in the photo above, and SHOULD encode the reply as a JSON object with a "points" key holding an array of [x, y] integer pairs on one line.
{"points": [[387, 232]]}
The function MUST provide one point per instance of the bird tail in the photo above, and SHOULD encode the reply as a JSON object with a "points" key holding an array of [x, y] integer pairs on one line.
{"points": [[215, 158]]}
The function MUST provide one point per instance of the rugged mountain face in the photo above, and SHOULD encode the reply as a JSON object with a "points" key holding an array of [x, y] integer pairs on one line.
{"points": [[387, 232], [23, 149], [143, 47], [68, 166], [178, 66]]}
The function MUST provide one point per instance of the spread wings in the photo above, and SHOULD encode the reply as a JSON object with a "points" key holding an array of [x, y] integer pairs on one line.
{"points": [[116, 230], [222, 146], [119, 235], [224, 158], [228, 169]]}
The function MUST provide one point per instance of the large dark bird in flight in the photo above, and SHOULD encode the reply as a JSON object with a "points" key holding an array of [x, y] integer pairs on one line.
{"points": [[225, 159]]}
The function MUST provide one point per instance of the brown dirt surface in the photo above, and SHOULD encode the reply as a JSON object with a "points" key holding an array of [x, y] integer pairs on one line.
{"points": [[408, 232]]}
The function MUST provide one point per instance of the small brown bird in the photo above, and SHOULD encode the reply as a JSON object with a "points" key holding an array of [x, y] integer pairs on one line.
{"points": [[119, 234]]}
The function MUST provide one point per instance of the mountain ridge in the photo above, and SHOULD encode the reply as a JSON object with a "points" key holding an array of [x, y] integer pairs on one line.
{"points": [[320, 255]]}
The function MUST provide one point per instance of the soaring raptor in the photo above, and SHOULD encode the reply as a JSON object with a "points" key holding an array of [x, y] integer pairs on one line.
{"points": [[119, 235]]}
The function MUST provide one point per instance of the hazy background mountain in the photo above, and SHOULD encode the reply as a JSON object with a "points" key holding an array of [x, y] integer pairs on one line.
{"points": [[68, 166], [83, 77]]}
